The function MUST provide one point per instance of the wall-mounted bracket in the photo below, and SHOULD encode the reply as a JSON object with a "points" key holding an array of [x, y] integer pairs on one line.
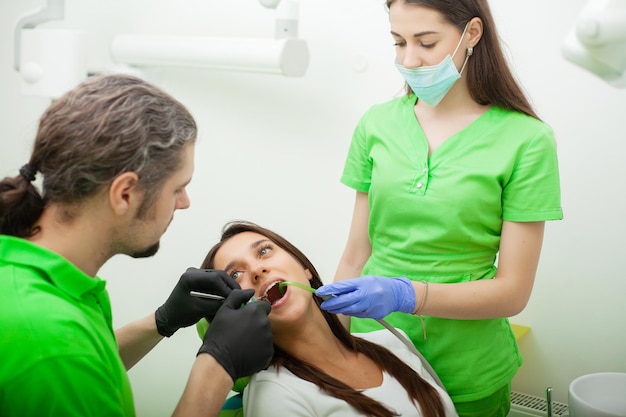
{"points": [[54, 11]]}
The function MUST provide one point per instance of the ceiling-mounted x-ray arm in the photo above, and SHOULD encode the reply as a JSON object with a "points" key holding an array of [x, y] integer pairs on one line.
{"points": [[270, 4], [597, 42], [284, 54], [602, 28], [54, 11], [287, 16]]}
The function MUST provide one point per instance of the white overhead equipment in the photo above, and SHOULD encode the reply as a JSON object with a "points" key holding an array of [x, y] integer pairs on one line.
{"points": [[285, 54], [597, 42], [52, 61]]}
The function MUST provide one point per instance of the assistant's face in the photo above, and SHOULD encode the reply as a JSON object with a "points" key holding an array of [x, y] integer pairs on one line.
{"points": [[255, 261], [421, 36]]}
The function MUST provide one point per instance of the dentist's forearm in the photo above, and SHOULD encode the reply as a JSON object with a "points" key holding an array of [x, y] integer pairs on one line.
{"points": [[206, 390], [136, 339]]}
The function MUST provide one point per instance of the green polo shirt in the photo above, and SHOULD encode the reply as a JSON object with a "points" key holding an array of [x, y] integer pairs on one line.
{"points": [[438, 218], [57, 346]]}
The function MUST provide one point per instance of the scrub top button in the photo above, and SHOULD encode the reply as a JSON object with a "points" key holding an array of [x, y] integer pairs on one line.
{"points": [[425, 170], [420, 185]]}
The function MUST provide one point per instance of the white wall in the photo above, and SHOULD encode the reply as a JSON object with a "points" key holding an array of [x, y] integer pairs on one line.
{"points": [[272, 149]]}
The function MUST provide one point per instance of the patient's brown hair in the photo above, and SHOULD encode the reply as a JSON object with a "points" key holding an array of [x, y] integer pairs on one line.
{"points": [[419, 391]]}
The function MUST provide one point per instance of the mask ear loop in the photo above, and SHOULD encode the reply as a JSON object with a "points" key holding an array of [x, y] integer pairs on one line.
{"points": [[470, 50]]}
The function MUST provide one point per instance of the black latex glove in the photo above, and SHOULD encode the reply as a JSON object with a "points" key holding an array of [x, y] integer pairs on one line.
{"points": [[182, 309], [240, 337]]}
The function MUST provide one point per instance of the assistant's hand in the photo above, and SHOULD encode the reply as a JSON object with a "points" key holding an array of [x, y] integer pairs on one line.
{"points": [[182, 310], [240, 337], [369, 296]]}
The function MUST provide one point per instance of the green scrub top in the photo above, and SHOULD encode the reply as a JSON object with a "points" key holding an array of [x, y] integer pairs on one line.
{"points": [[438, 219], [58, 349]]}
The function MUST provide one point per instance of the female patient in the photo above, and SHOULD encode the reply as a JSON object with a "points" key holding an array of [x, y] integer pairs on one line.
{"points": [[319, 368]]}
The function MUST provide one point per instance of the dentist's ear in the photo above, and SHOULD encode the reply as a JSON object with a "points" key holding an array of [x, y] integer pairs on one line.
{"points": [[123, 192]]}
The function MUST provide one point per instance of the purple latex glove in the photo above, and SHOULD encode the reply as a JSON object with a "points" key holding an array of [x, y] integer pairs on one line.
{"points": [[368, 296]]}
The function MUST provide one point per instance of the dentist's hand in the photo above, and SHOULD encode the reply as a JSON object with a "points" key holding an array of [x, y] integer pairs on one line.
{"points": [[369, 296], [240, 336], [182, 309]]}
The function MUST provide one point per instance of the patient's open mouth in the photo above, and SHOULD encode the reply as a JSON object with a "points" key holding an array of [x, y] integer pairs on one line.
{"points": [[273, 293]]}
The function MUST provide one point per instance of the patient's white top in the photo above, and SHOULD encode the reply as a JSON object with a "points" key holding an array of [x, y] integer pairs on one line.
{"points": [[284, 394]]}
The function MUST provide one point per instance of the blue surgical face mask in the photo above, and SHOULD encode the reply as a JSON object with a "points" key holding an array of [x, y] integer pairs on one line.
{"points": [[432, 83]]}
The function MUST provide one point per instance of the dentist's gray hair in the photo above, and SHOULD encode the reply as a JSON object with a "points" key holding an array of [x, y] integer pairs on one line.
{"points": [[107, 125]]}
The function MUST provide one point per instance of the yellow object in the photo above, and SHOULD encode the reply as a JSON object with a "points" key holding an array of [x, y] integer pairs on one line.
{"points": [[519, 330]]}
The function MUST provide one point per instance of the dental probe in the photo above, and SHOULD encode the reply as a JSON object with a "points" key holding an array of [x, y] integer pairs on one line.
{"points": [[389, 327], [199, 294], [205, 295]]}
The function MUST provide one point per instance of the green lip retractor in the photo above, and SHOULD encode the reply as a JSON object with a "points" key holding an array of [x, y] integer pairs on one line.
{"points": [[282, 286]]}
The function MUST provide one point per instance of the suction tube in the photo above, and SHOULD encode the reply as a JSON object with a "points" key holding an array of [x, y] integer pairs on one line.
{"points": [[386, 325]]}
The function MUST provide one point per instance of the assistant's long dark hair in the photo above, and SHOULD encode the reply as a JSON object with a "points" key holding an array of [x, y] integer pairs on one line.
{"points": [[489, 78], [419, 391]]}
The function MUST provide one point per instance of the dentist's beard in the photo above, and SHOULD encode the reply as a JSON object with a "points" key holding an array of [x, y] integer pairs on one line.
{"points": [[148, 252]]}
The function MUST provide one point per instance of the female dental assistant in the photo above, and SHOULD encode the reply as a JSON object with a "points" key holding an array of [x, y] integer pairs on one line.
{"points": [[457, 173]]}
